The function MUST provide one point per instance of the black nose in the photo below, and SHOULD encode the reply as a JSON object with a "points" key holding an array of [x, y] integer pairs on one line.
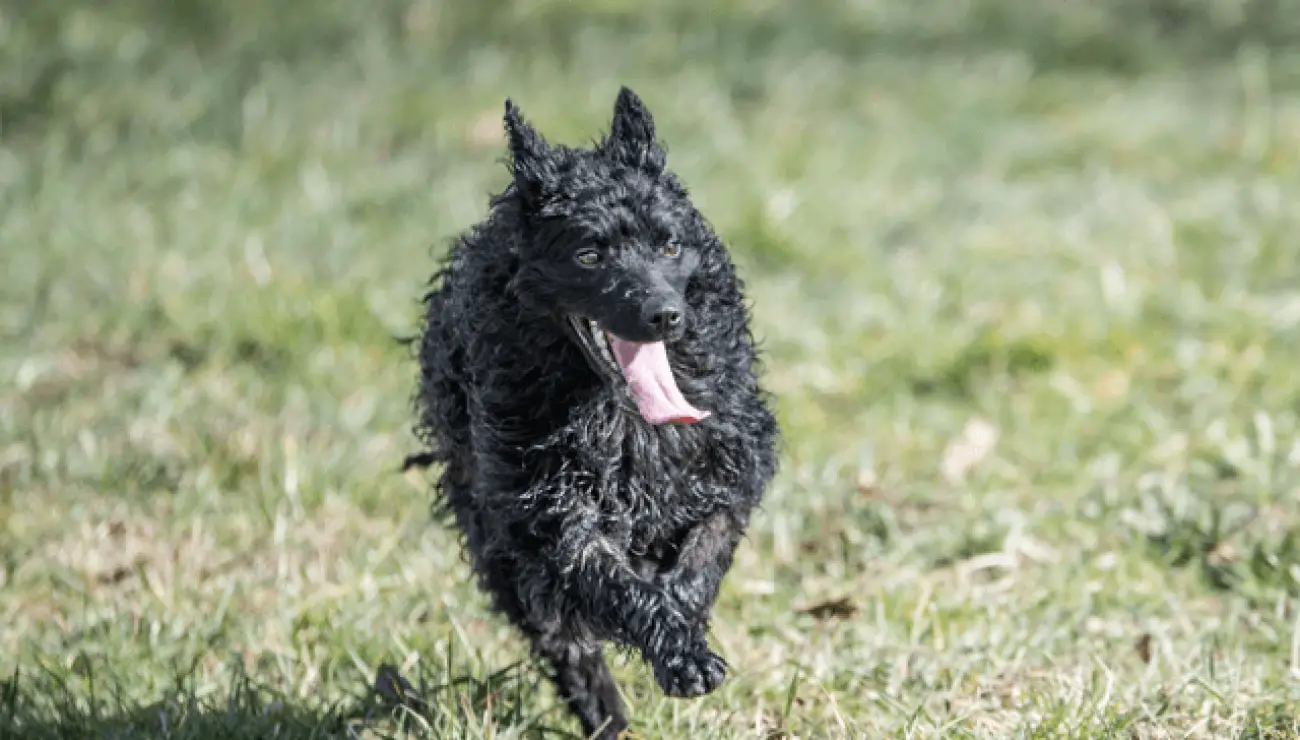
{"points": [[666, 320]]}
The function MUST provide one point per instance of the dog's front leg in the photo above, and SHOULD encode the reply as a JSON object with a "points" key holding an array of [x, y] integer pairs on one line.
{"points": [[703, 559], [647, 617]]}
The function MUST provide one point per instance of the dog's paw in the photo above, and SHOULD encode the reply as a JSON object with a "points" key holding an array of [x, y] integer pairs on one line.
{"points": [[693, 674]]}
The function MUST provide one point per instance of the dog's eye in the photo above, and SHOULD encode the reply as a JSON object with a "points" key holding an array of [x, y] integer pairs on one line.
{"points": [[587, 257], [671, 250]]}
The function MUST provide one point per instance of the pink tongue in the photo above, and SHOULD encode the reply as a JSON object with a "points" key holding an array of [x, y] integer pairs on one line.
{"points": [[645, 366]]}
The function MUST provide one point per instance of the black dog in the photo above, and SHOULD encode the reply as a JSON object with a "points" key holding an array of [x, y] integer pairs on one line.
{"points": [[588, 385]]}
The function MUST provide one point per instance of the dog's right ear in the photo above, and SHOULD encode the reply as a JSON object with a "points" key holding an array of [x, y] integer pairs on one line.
{"points": [[528, 154]]}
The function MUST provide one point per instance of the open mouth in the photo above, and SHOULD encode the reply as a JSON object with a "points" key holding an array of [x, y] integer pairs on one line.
{"points": [[595, 345], [644, 365]]}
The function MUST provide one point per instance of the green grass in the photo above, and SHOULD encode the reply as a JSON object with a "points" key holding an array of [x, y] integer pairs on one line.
{"points": [[1027, 275]]}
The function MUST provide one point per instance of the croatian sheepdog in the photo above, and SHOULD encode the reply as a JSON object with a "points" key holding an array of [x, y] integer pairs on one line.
{"points": [[589, 392]]}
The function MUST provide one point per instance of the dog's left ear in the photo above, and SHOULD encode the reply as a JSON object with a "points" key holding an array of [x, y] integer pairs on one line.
{"points": [[631, 139]]}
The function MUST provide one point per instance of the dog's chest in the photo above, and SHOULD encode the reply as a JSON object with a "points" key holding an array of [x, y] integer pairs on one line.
{"points": [[660, 489], [649, 483]]}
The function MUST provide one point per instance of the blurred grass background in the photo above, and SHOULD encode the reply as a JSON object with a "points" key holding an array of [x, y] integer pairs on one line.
{"points": [[1026, 273]]}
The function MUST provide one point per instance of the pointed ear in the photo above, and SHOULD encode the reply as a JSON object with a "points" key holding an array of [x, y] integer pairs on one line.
{"points": [[631, 139], [528, 153]]}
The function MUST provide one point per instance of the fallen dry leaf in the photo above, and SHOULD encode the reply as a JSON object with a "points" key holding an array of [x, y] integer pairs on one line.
{"points": [[841, 608], [968, 449], [1223, 554], [867, 482], [1143, 646]]}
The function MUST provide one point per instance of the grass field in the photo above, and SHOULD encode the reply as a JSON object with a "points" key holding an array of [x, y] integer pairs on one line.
{"points": [[1027, 276]]}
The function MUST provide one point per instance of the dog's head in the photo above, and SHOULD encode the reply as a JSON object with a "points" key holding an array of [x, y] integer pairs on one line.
{"points": [[610, 243]]}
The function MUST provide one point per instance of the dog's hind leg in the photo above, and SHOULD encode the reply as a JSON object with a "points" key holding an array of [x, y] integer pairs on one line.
{"points": [[583, 680], [577, 668]]}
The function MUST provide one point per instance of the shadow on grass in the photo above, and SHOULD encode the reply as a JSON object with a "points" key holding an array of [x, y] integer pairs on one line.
{"points": [[38, 704]]}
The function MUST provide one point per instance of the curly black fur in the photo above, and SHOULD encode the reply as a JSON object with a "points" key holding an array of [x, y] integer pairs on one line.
{"points": [[585, 523]]}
